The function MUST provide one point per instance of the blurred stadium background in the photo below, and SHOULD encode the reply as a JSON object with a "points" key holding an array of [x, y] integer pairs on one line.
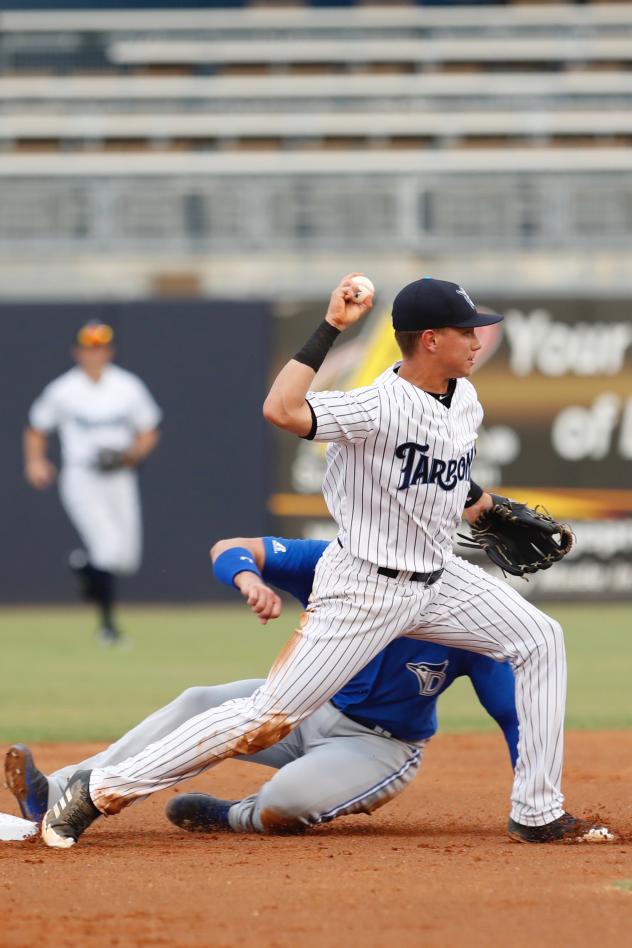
{"points": [[201, 177]]}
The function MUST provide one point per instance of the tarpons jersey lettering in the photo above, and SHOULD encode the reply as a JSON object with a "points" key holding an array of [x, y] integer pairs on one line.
{"points": [[418, 468], [398, 468], [113, 421]]}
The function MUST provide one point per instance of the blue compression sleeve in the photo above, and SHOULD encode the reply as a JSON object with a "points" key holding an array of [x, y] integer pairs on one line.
{"points": [[508, 721], [494, 685], [236, 560]]}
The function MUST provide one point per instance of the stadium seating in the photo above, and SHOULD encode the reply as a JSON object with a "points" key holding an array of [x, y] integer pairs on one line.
{"points": [[277, 128]]}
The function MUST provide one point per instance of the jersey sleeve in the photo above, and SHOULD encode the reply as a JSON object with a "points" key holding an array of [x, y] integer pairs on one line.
{"points": [[290, 564], [145, 414], [45, 412], [343, 416], [495, 688]]}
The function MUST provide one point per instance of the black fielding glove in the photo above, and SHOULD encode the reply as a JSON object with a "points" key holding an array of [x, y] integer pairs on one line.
{"points": [[518, 538]]}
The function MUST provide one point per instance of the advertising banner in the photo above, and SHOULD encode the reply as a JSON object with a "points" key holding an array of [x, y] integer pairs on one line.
{"points": [[554, 380]]}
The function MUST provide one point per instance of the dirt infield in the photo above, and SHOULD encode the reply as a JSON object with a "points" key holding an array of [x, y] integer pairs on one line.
{"points": [[434, 868]]}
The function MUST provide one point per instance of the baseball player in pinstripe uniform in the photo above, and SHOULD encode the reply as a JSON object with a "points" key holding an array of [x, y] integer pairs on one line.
{"points": [[397, 484], [355, 753], [107, 422]]}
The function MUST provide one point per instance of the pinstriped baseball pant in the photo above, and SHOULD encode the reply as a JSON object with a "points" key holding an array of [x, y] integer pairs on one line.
{"points": [[329, 766], [353, 614]]}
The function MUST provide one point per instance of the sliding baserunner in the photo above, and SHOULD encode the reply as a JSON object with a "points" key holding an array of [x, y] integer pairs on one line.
{"points": [[355, 753], [397, 483]]}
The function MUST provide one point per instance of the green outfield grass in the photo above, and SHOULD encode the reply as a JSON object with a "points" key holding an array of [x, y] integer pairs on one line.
{"points": [[58, 684]]}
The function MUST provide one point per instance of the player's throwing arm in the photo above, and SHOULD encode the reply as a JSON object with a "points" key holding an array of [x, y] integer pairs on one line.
{"points": [[285, 405]]}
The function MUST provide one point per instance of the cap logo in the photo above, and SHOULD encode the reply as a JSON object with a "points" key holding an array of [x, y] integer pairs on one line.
{"points": [[95, 334], [462, 293]]}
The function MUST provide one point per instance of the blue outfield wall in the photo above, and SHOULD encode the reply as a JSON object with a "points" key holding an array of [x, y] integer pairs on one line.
{"points": [[206, 363]]}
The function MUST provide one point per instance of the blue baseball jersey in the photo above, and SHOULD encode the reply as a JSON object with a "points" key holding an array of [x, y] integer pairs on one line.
{"points": [[398, 689]]}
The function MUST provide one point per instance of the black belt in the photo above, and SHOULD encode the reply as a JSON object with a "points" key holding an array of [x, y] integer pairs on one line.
{"points": [[370, 725], [380, 731], [427, 578]]}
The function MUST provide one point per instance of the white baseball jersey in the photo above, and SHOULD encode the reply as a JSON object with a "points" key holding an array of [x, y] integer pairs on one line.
{"points": [[90, 415], [398, 468], [396, 482]]}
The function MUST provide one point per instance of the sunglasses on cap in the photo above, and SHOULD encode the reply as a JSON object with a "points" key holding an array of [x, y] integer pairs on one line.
{"points": [[95, 334]]}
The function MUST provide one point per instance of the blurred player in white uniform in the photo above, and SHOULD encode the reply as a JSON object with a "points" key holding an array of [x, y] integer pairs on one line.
{"points": [[107, 422]]}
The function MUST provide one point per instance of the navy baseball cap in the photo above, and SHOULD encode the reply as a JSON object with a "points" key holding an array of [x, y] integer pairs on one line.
{"points": [[435, 304]]}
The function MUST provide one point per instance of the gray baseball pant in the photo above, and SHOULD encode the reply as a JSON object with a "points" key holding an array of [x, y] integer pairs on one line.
{"points": [[327, 767]]}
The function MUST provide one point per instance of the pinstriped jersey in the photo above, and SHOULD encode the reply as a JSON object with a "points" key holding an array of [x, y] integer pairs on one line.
{"points": [[398, 468]]}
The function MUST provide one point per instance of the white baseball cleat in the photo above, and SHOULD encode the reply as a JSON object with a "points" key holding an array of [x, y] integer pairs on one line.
{"points": [[73, 813]]}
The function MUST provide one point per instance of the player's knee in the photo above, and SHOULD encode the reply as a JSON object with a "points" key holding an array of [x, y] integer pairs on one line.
{"points": [[553, 633], [282, 807], [546, 640], [195, 700], [120, 559], [128, 562], [199, 698]]}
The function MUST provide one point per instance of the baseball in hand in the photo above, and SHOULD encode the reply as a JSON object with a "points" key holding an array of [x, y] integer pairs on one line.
{"points": [[362, 288]]}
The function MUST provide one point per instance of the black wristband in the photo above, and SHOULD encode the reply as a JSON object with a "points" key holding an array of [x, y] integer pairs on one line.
{"points": [[317, 346], [475, 493]]}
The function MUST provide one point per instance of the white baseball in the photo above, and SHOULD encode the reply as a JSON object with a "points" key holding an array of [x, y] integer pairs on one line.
{"points": [[362, 287]]}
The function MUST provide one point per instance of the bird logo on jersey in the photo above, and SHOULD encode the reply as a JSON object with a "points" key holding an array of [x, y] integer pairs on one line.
{"points": [[430, 675]]}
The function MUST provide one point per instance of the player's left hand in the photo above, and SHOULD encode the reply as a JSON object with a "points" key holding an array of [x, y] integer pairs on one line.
{"points": [[483, 504], [343, 311], [263, 601], [518, 538]]}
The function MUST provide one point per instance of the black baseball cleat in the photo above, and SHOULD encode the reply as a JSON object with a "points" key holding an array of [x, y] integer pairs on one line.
{"points": [[73, 813], [199, 812], [28, 785], [566, 829]]}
